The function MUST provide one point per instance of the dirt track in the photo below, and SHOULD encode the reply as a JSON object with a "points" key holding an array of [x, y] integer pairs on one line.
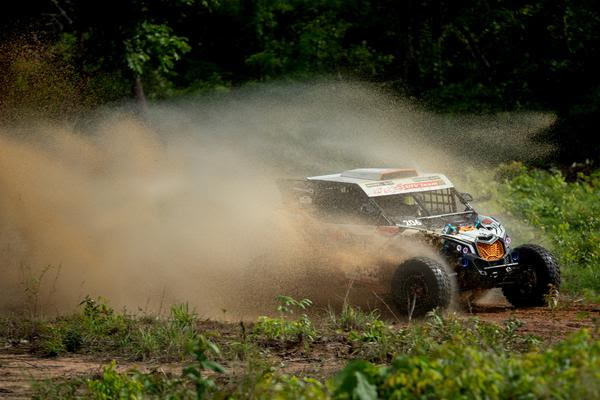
{"points": [[19, 368], [549, 325]]}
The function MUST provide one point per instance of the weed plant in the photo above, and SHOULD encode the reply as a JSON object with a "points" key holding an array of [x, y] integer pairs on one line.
{"points": [[285, 329]]}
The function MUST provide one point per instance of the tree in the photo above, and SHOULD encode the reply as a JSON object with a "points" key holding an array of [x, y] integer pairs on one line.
{"points": [[153, 49]]}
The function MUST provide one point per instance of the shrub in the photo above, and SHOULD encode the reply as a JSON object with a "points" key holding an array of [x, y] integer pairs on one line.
{"points": [[451, 370], [568, 213], [114, 385]]}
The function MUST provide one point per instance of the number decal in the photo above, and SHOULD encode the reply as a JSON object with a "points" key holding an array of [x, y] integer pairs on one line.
{"points": [[412, 222]]}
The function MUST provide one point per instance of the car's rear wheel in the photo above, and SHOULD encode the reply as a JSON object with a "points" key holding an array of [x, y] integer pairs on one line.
{"points": [[539, 279], [419, 285]]}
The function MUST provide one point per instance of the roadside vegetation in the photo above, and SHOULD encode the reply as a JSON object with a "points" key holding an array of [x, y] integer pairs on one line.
{"points": [[449, 370], [565, 214], [438, 357], [97, 329]]}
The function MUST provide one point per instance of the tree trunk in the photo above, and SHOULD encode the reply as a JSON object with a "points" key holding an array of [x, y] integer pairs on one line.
{"points": [[140, 97]]}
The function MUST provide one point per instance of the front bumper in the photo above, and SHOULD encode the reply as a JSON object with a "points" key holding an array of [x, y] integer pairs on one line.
{"points": [[475, 272]]}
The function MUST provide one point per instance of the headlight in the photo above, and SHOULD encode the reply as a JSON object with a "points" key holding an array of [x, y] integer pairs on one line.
{"points": [[515, 256]]}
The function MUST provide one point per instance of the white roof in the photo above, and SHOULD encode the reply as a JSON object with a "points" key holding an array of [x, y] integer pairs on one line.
{"points": [[374, 182]]}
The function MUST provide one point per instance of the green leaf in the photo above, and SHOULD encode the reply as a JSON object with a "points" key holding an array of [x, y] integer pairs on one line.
{"points": [[213, 366], [363, 390]]}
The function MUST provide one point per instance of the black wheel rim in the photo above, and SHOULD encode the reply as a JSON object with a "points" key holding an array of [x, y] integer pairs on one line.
{"points": [[529, 281], [414, 288]]}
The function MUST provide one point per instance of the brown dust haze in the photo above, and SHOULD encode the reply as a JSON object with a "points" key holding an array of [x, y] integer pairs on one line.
{"points": [[181, 206]]}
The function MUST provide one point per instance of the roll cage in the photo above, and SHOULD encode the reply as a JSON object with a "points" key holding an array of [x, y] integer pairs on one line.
{"points": [[347, 203]]}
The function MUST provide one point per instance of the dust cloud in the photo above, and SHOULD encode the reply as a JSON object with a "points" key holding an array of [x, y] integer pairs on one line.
{"points": [[182, 205]]}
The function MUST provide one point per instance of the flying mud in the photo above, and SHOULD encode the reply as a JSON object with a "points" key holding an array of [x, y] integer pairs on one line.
{"points": [[180, 204]]}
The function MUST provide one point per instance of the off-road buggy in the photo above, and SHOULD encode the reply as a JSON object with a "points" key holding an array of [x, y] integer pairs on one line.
{"points": [[471, 250]]}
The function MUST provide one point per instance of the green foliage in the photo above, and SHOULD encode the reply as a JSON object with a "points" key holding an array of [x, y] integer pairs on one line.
{"points": [[374, 331], [318, 40], [356, 381], [451, 370], [114, 385], [172, 338], [154, 48], [288, 304], [202, 362], [96, 311], [276, 386], [475, 56], [63, 388], [284, 330], [98, 329], [352, 318], [53, 344], [182, 317], [372, 338], [380, 342], [133, 384], [569, 215], [441, 358]]}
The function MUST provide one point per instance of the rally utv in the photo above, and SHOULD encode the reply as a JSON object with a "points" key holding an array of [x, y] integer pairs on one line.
{"points": [[470, 249]]}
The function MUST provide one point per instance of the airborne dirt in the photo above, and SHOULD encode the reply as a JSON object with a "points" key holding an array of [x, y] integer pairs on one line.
{"points": [[180, 205]]}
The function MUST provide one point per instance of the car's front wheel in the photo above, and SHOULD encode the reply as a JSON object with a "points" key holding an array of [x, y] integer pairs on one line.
{"points": [[539, 279], [419, 285]]}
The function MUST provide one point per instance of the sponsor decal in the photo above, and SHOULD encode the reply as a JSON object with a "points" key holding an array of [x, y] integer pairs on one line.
{"points": [[425, 178], [405, 185], [376, 184], [401, 187]]}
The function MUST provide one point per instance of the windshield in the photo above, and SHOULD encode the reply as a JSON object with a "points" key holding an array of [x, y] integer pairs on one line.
{"points": [[430, 203]]}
